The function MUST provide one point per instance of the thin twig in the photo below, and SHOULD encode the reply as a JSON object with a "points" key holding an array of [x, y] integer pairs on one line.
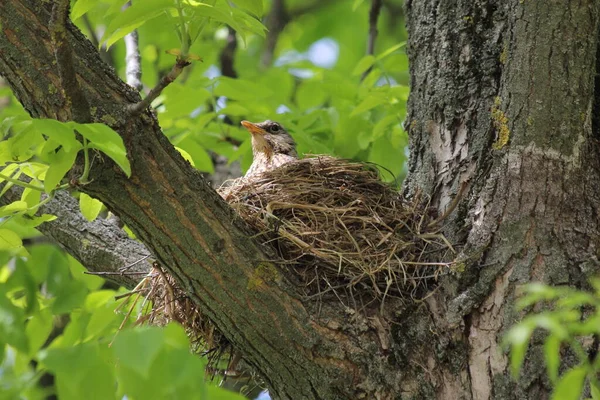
{"points": [[373, 17], [110, 273], [157, 90], [133, 60], [63, 53], [21, 183], [228, 53]]}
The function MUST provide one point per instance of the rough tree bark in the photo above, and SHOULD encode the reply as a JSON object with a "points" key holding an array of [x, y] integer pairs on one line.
{"points": [[502, 95], [502, 98]]}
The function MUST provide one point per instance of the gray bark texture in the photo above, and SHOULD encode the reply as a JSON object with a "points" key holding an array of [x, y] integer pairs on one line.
{"points": [[502, 101], [502, 97]]}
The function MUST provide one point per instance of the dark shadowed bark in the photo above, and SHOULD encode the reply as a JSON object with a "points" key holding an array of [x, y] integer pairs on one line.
{"points": [[502, 98]]}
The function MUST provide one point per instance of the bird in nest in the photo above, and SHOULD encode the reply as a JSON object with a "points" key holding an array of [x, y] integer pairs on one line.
{"points": [[272, 146]]}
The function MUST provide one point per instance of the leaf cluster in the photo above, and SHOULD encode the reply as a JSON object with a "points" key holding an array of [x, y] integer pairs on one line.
{"points": [[571, 319]]}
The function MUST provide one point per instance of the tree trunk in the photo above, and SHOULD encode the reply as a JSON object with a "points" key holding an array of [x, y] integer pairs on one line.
{"points": [[502, 99]]}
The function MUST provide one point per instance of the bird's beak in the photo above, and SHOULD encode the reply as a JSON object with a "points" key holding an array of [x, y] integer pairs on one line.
{"points": [[253, 128]]}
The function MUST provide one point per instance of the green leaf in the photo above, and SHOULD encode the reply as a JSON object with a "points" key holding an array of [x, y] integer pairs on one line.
{"points": [[552, 356], [13, 208], [71, 295], [137, 349], [518, 337], [383, 124], [90, 207], [38, 329], [595, 389], [106, 140], [217, 393], [310, 94], [133, 17], [200, 156], [356, 4], [12, 330], [59, 131], [389, 51], [570, 385], [9, 240], [186, 156], [82, 7], [254, 6], [368, 103], [240, 89], [61, 162], [85, 371], [364, 64]]}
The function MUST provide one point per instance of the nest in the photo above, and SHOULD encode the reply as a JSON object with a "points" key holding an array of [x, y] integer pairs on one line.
{"points": [[336, 227], [340, 227]]}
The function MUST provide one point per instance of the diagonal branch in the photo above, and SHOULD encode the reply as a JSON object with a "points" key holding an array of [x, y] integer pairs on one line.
{"points": [[162, 84], [373, 17], [63, 53], [100, 245]]}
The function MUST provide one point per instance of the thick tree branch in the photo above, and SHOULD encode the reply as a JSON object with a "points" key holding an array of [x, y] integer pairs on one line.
{"points": [[100, 245], [133, 60], [192, 232], [373, 32], [63, 53], [160, 86]]}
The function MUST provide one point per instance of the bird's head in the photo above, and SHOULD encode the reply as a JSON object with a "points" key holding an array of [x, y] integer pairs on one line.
{"points": [[270, 138]]}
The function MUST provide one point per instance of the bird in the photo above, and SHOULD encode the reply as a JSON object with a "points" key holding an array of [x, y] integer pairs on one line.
{"points": [[272, 146]]}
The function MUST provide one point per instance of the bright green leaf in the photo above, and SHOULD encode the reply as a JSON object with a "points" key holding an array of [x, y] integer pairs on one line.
{"points": [[103, 138], [254, 6], [133, 17], [390, 50], [570, 385], [310, 94], [82, 7], [368, 103], [85, 371], [13, 208], [137, 349], [59, 131], [9, 240], [38, 329], [12, 329], [90, 207], [364, 64], [552, 356], [518, 337], [61, 163]]}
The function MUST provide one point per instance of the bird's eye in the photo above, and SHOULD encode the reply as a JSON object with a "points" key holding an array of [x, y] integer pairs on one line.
{"points": [[274, 128]]}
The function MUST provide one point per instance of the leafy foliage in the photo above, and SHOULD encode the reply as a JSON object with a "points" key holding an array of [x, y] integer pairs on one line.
{"points": [[55, 320], [573, 319]]}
